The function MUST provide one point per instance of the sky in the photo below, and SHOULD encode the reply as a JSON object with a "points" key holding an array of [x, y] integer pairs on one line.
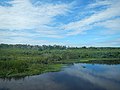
{"points": [[62, 22]]}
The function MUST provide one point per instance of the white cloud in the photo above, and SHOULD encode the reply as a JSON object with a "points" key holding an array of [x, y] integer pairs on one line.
{"points": [[100, 3], [113, 42], [22, 40], [25, 33], [26, 20], [113, 26], [80, 26], [24, 15]]}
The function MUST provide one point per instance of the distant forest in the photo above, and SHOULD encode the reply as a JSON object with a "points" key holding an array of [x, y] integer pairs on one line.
{"points": [[49, 47]]}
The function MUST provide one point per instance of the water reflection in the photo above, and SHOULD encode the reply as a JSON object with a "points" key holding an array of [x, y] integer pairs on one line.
{"points": [[74, 77]]}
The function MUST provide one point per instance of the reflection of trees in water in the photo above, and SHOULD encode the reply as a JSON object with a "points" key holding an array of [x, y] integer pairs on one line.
{"points": [[109, 62], [15, 78], [4, 88]]}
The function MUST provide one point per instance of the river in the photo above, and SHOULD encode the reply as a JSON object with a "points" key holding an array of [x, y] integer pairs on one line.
{"points": [[73, 77]]}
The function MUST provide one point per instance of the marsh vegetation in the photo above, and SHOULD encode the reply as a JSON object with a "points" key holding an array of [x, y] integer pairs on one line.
{"points": [[25, 60]]}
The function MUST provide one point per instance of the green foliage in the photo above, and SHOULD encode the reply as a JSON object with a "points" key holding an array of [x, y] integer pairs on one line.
{"points": [[16, 60]]}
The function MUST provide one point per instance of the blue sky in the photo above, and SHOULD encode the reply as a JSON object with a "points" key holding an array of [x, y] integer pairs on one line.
{"points": [[62, 22]]}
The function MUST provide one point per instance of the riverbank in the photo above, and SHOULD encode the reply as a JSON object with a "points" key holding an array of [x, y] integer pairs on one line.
{"points": [[23, 70], [26, 60]]}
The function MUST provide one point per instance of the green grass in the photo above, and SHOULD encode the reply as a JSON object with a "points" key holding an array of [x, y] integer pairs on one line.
{"points": [[32, 70]]}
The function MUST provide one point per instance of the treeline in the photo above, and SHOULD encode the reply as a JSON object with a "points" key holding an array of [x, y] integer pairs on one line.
{"points": [[49, 47], [36, 47]]}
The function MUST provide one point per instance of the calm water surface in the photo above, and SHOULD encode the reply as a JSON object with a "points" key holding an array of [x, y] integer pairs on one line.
{"points": [[74, 77]]}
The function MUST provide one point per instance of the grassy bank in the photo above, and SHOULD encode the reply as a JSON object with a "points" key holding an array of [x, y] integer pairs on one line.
{"points": [[32, 69], [25, 60]]}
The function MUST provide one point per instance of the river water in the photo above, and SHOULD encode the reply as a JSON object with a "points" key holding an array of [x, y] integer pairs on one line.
{"points": [[73, 77]]}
